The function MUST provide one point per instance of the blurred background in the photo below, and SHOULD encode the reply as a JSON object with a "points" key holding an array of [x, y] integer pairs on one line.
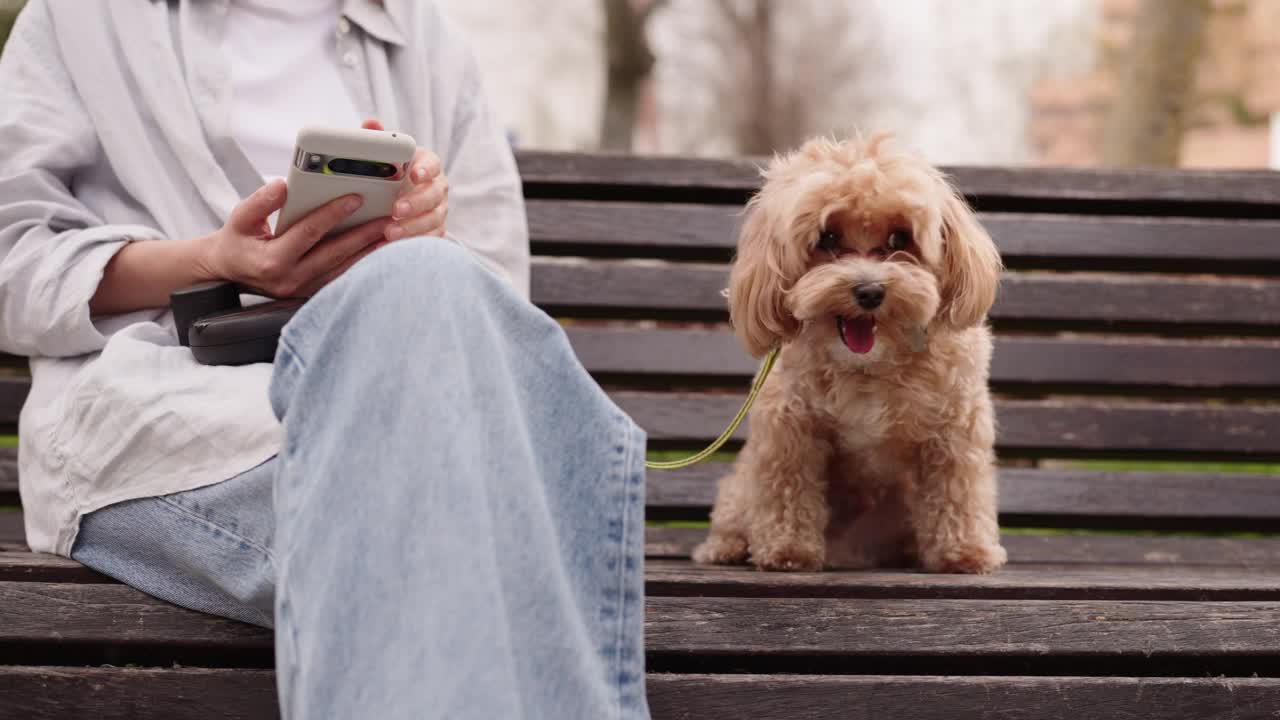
{"points": [[1172, 83]]}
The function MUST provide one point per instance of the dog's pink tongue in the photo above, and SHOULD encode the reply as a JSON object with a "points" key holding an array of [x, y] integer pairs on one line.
{"points": [[860, 333]]}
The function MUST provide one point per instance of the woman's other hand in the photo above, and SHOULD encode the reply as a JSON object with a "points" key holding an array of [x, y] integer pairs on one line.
{"points": [[423, 207]]}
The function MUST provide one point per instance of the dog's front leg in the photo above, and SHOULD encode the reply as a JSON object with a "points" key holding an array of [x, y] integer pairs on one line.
{"points": [[787, 469], [953, 503]]}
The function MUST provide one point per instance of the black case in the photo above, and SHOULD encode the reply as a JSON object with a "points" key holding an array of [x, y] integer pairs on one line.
{"points": [[211, 321]]}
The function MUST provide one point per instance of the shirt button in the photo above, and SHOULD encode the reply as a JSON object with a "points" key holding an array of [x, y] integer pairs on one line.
{"points": [[344, 26], [349, 59]]}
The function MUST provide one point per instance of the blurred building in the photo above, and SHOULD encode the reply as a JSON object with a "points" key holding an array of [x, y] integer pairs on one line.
{"points": [[1235, 99]]}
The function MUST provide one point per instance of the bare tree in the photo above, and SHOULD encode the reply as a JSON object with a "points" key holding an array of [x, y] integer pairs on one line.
{"points": [[1145, 123], [775, 72], [630, 62]]}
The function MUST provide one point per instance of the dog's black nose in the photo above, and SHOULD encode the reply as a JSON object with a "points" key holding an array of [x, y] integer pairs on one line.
{"points": [[869, 295]]}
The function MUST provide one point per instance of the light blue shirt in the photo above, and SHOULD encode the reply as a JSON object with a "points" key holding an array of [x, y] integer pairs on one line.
{"points": [[114, 126]]}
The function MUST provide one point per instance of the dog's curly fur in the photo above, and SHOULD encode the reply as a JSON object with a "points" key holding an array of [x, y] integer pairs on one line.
{"points": [[863, 457]]}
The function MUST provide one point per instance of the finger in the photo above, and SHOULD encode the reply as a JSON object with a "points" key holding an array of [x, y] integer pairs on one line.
{"points": [[312, 228], [421, 200], [431, 223], [250, 216], [426, 165], [372, 124], [334, 251]]}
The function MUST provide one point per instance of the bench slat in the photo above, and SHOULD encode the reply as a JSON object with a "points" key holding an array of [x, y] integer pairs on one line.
{"points": [[225, 694], [1054, 498], [1026, 426], [680, 230], [37, 693], [552, 174], [12, 530], [61, 614], [1016, 582], [1060, 549], [8, 476], [1048, 427], [1109, 363], [730, 697], [1065, 549], [1022, 581], [1032, 497], [962, 628], [1093, 301]]}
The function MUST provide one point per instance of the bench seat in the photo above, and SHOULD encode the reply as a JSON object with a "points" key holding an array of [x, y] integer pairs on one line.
{"points": [[1137, 379]]}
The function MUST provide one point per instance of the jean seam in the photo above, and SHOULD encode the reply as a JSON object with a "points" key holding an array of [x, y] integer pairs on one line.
{"points": [[215, 526], [624, 677], [635, 675]]}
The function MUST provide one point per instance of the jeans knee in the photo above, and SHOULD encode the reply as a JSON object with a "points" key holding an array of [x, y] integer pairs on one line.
{"points": [[427, 269]]}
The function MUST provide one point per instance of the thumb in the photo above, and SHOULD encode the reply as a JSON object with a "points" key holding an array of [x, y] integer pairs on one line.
{"points": [[372, 124], [251, 214]]}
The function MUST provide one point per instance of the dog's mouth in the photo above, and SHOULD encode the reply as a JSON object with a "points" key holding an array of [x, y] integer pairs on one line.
{"points": [[858, 333]]}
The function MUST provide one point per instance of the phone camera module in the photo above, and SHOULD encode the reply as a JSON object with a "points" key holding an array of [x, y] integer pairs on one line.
{"points": [[365, 168], [314, 162]]}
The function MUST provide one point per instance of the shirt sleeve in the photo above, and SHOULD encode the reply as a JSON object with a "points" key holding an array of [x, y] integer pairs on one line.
{"points": [[486, 201], [53, 248]]}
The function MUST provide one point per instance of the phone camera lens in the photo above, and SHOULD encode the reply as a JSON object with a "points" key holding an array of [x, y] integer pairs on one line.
{"points": [[314, 161], [361, 167]]}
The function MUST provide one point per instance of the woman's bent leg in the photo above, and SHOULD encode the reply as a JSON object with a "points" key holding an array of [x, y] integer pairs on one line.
{"points": [[207, 549], [459, 507]]}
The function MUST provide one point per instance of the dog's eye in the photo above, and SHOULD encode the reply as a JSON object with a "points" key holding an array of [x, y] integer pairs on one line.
{"points": [[829, 240], [899, 240]]}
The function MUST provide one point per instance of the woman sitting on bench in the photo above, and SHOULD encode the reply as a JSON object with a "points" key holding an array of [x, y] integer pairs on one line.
{"points": [[426, 495]]}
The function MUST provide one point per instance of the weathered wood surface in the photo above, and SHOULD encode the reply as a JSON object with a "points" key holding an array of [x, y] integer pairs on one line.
{"points": [[962, 628], [24, 566], [1075, 498], [1092, 301], [546, 172], [1049, 497], [1015, 582], [8, 476], [1108, 363], [1068, 427], [112, 615], [877, 697], [1261, 555], [43, 693], [97, 614], [111, 693], [1025, 426], [1026, 581], [683, 230], [11, 528]]}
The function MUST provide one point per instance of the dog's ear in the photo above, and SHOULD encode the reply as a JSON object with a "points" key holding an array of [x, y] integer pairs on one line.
{"points": [[756, 290], [971, 265]]}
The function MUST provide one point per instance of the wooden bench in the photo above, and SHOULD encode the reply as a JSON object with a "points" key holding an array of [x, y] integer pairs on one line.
{"points": [[1138, 322]]}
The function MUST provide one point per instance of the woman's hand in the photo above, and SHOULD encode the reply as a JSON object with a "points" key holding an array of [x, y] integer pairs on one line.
{"points": [[297, 263], [423, 207]]}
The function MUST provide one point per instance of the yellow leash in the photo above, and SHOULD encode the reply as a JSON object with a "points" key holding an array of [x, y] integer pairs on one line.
{"points": [[729, 431]]}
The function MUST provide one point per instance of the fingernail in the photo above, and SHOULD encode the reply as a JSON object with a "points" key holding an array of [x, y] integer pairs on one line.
{"points": [[352, 203], [402, 209], [394, 232], [419, 174]]}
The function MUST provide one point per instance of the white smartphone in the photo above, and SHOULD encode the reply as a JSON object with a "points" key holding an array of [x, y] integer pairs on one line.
{"points": [[331, 162]]}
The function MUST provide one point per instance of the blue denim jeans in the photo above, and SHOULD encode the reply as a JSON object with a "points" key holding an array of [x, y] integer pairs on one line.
{"points": [[453, 527]]}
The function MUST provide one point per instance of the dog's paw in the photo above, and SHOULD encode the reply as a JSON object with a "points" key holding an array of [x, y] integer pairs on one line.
{"points": [[978, 559], [789, 557], [721, 550]]}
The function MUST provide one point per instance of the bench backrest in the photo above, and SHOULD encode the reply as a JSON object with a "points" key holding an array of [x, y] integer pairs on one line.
{"points": [[1138, 321]]}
